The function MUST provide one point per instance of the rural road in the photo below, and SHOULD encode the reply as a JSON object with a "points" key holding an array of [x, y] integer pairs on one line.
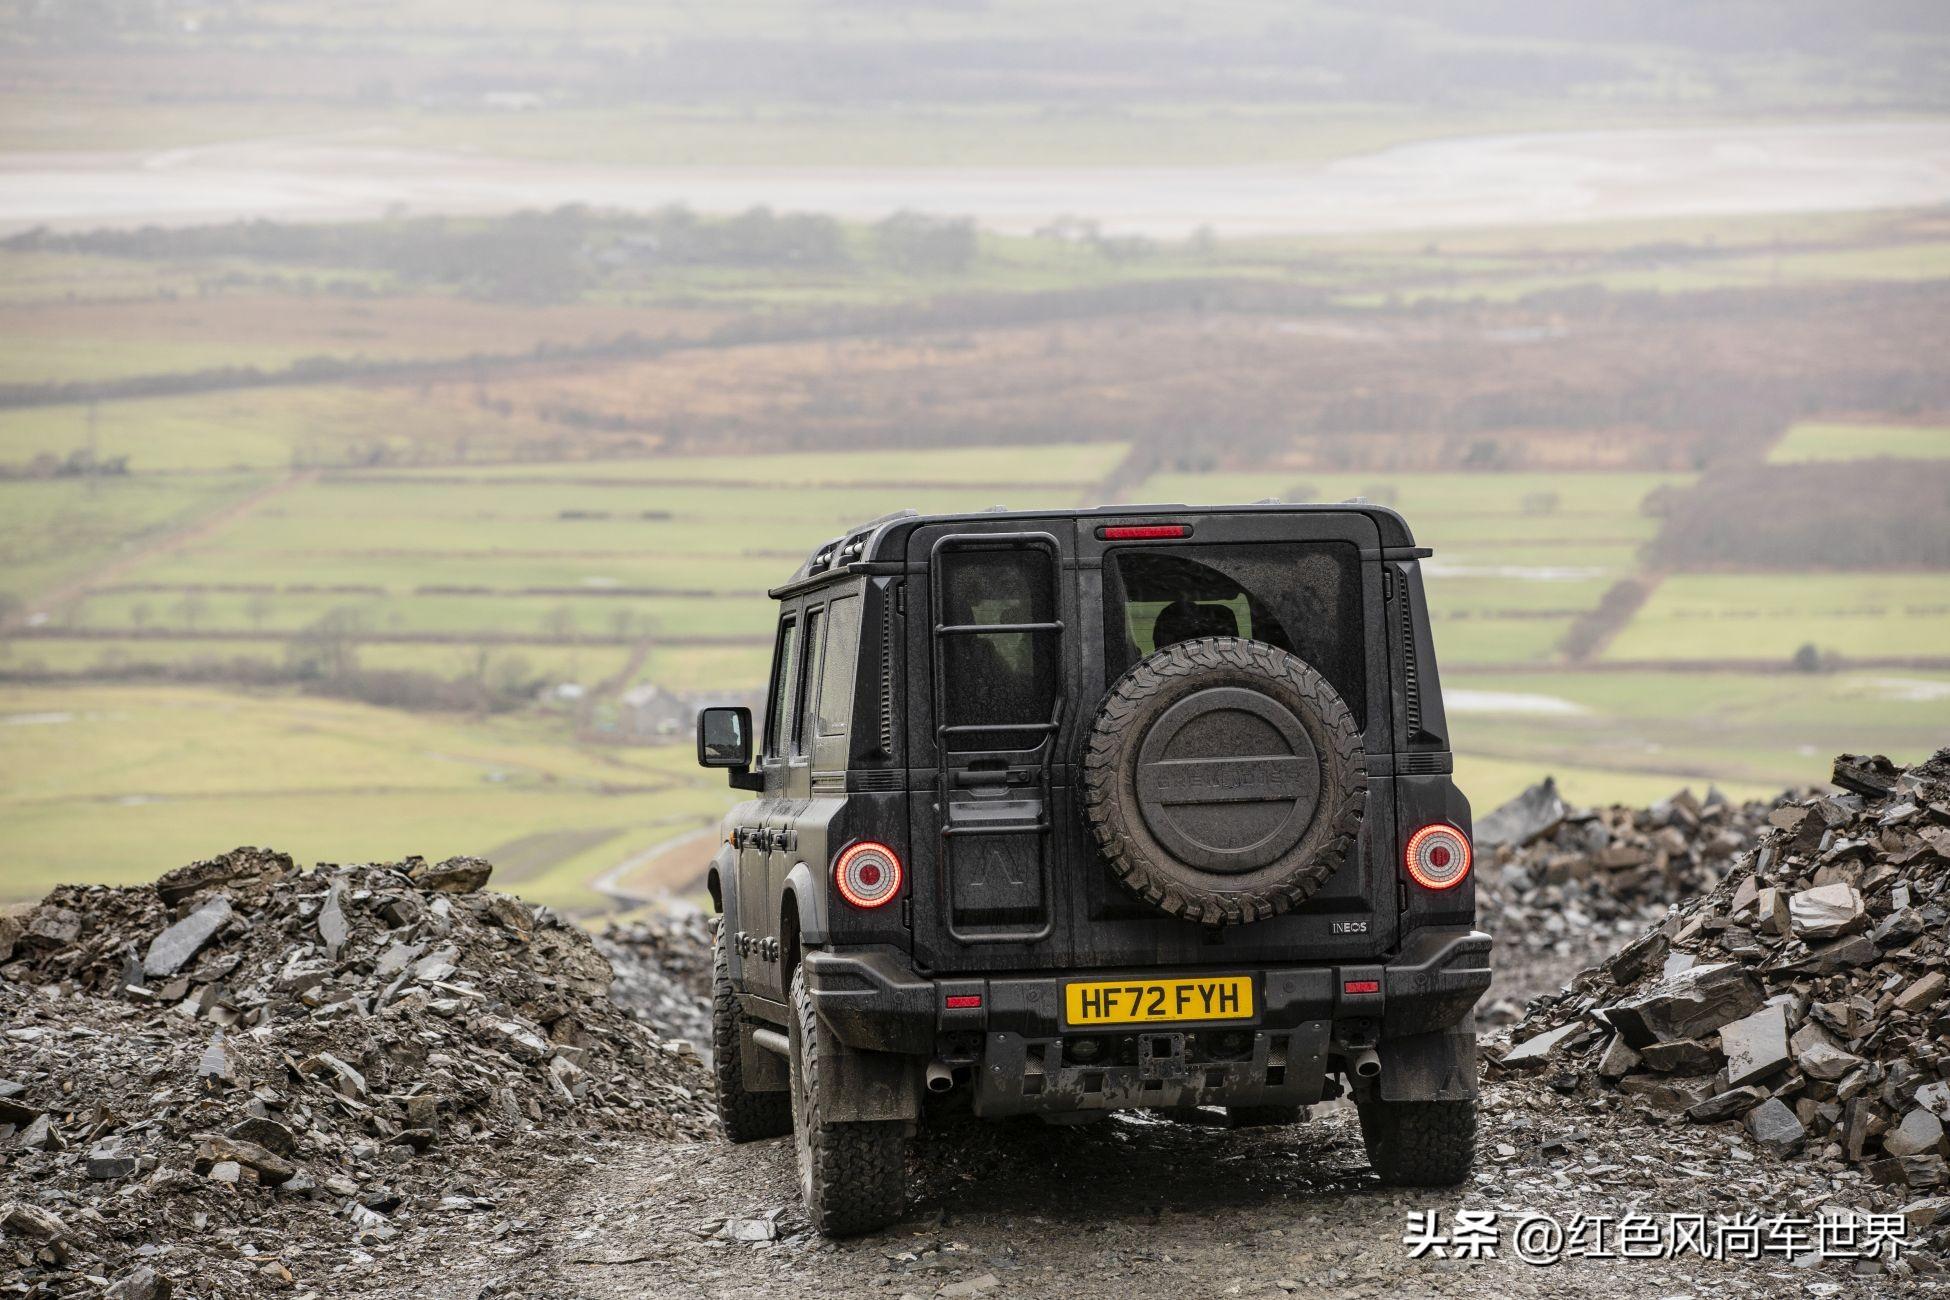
{"points": [[1524, 179]]}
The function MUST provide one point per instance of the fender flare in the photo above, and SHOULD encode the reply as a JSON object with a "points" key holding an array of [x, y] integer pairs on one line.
{"points": [[722, 880], [809, 892]]}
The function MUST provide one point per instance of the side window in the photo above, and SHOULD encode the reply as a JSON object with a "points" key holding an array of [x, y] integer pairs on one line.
{"points": [[993, 678], [809, 678], [836, 679], [785, 688]]}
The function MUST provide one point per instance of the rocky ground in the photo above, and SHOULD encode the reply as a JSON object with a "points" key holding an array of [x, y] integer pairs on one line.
{"points": [[384, 1081], [254, 1079], [1805, 1000]]}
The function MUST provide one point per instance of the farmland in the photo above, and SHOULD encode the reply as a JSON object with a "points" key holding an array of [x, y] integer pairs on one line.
{"points": [[371, 537], [380, 614]]}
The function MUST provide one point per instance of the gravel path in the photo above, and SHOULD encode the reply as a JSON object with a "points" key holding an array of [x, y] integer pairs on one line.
{"points": [[1140, 1206]]}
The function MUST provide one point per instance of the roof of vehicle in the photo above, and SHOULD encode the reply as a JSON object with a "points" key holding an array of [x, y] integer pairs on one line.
{"points": [[883, 539]]}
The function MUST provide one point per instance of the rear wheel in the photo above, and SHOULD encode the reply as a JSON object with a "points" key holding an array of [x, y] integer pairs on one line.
{"points": [[853, 1175], [745, 1116], [1420, 1143]]}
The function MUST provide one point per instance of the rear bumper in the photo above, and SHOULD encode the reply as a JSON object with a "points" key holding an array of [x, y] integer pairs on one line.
{"points": [[1022, 1057]]}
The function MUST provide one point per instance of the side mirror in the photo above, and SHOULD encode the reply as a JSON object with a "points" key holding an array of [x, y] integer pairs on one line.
{"points": [[724, 739]]}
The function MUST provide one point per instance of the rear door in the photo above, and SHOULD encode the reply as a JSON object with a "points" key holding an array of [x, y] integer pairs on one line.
{"points": [[991, 821], [1308, 582]]}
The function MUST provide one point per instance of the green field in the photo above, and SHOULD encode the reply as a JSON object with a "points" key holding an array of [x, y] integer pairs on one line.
{"points": [[1822, 442], [114, 784], [1770, 616], [53, 531], [1751, 734]]}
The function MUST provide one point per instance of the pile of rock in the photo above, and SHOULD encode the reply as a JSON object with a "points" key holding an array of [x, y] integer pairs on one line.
{"points": [[249, 1077], [1552, 876], [662, 962], [1804, 997]]}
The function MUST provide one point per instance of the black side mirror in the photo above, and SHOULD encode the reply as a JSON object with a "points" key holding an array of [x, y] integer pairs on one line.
{"points": [[724, 739]]}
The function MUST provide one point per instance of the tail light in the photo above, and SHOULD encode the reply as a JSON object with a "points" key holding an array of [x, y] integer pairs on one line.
{"points": [[1437, 857], [1143, 532], [868, 875]]}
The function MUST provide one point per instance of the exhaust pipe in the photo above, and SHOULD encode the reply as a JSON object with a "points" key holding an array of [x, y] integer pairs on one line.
{"points": [[941, 1076], [1367, 1064]]}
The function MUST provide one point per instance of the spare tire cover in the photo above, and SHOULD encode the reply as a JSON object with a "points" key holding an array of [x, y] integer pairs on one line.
{"points": [[1224, 780]]}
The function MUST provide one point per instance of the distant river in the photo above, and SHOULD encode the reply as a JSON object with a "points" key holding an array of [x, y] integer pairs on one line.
{"points": [[1440, 184]]}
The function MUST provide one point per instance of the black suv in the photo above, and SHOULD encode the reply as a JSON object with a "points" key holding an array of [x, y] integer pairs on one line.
{"points": [[1078, 811]]}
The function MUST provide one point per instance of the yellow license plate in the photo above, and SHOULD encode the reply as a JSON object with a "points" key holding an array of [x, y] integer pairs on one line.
{"points": [[1144, 1002]]}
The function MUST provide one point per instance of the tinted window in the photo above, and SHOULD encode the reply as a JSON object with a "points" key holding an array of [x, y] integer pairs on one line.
{"points": [[993, 678], [836, 680], [1302, 597], [785, 688], [809, 677]]}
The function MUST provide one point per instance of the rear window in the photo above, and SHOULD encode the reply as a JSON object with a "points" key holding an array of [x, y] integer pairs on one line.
{"points": [[1304, 598]]}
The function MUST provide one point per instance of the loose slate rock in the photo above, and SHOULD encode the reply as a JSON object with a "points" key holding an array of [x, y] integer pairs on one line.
{"points": [[1529, 817], [1918, 1134], [143, 1283], [1775, 1126], [454, 876], [1726, 1105], [1818, 1055], [1755, 1046], [1826, 912], [181, 941], [1687, 1005], [332, 926], [1536, 1051], [270, 1167]]}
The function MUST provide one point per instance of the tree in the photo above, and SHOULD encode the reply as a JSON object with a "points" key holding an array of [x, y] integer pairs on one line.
{"points": [[257, 609], [140, 613], [191, 609], [560, 622], [328, 646], [924, 245]]}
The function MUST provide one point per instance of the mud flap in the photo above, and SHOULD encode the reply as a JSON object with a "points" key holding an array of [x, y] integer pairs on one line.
{"points": [[870, 1086], [764, 1070], [1428, 1067]]}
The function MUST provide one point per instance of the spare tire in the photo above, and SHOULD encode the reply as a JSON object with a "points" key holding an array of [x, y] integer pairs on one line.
{"points": [[1224, 780]]}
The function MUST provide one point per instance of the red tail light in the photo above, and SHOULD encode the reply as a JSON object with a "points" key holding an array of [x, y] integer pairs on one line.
{"points": [[1143, 532], [868, 875], [1437, 857]]}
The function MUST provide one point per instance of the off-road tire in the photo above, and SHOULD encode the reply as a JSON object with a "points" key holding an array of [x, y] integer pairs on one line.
{"points": [[852, 1175], [744, 1116], [1420, 1143], [1111, 800], [1264, 1116]]}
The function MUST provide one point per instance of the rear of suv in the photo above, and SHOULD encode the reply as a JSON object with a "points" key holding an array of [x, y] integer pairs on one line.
{"points": [[1079, 811]]}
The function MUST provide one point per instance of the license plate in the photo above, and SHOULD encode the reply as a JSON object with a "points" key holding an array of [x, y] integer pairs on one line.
{"points": [[1143, 1002]]}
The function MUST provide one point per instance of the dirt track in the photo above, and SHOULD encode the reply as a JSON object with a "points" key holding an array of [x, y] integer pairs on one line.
{"points": [[1137, 1206]]}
